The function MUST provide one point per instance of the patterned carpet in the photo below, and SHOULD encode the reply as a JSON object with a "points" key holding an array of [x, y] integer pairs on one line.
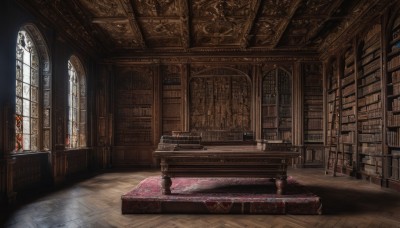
{"points": [[220, 195]]}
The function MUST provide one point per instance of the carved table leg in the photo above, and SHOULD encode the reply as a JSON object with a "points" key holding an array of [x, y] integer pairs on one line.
{"points": [[281, 183], [166, 185]]}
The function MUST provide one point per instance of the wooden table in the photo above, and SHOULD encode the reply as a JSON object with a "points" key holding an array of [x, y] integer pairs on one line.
{"points": [[225, 161]]}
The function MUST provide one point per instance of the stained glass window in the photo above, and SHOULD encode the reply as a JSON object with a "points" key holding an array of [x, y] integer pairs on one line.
{"points": [[27, 94], [76, 132], [73, 107]]}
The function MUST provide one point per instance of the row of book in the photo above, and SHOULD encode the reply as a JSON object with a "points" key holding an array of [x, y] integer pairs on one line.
{"points": [[376, 76], [395, 77], [369, 99], [393, 120], [370, 138], [348, 90], [348, 119], [396, 104], [394, 62], [349, 127], [393, 137], [375, 87]]}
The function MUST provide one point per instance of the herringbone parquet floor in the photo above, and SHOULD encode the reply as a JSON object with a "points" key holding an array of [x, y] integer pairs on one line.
{"points": [[95, 202]]}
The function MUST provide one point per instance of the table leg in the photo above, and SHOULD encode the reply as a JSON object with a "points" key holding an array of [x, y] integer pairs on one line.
{"points": [[166, 185], [281, 183]]}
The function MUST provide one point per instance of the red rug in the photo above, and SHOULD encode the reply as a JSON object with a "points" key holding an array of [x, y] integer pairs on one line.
{"points": [[220, 195]]}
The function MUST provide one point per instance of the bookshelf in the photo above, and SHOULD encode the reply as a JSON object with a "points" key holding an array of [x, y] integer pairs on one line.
{"points": [[134, 108], [277, 105], [332, 112], [313, 114], [348, 124], [393, 102], [369, 103], [171, 99]]}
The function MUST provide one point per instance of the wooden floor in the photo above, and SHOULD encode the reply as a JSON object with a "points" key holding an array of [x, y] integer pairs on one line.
{"points": [[95, 202]]}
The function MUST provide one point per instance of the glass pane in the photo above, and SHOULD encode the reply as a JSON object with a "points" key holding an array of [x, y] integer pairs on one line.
{"points": [[26, 126], [18, 106], [34, 142], [26, 57], [18, 124], [46, 99], [34, 94], [26, 108], [19, 70], [46, 118], [18, 89], [69, 101], [34, 126], [34, 77], [19, 53], [26, 70], [27, 142], [69, 127], [35, 61], [46, 141], [18, 142], [26, 93]]}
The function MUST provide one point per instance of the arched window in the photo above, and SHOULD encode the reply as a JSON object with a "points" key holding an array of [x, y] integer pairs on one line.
{"points": [[33, 91], [27, 94], [76, 136]]}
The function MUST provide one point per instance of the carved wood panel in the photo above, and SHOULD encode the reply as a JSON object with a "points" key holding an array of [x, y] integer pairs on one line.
{"points": [[220, 104]]}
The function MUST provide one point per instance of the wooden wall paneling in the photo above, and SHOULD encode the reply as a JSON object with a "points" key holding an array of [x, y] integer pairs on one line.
{"points": [[31, 171], [77, 162]]}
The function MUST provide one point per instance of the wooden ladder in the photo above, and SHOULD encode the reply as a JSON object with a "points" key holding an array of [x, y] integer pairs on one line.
{"points": [[331, 143]]}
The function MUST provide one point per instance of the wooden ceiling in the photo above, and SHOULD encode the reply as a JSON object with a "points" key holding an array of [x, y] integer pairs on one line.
{"points": [[115, 26]]}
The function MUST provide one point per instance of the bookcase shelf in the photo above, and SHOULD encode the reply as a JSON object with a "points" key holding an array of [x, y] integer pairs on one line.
{"points": [[369, 102], [393, 102], [313, 114], [277, 106]]}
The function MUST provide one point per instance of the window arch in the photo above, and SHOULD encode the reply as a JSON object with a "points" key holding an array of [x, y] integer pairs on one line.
{"points": [[32, 109], [76, 123]]}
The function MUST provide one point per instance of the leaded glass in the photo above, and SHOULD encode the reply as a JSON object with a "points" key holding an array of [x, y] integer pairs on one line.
{"points": [[18, 108], [34, 94], [46, 118], [27, 94], [26, 145], [34, 110], [26, 111], [19, 71], [26, 73]]}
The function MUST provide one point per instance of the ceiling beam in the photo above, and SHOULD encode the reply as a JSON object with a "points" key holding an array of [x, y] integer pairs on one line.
{"points": [[286, 23], [100, 20], [255, 8], [133, 22], [185, 24]]}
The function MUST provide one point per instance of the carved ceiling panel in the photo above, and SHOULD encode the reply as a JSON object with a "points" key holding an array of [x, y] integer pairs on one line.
{"points": [[156, 8], [219, 22], [104, 8], [204, 25]]}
